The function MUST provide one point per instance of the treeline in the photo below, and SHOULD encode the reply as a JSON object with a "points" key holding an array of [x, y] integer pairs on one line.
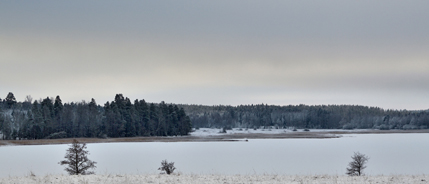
{"points": [[50, 118], [304, 116]]}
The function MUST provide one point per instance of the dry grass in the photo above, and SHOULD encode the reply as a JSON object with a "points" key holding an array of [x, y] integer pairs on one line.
{"points": [[215, 179]]}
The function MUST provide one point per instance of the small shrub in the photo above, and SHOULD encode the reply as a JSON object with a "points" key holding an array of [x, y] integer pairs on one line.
{"points": [[167, 167]]}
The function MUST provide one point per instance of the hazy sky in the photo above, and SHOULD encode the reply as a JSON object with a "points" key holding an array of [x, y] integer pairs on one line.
{"points": [[364, 52]]}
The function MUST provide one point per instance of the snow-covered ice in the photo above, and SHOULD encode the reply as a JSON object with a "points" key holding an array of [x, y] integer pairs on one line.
{"points": [[215, 132], [389, 154]]}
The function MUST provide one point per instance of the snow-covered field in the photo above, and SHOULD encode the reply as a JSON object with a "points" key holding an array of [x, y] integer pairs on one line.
{"points": [[213, 178], [389, 154], [215, 132]]}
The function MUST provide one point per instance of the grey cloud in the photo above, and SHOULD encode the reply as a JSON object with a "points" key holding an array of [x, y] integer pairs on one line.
{"points": [[313, 48]]}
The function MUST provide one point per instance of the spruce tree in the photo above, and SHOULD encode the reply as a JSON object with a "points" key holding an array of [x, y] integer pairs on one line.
{"points": [[58, 113], [58, 106], [10, 100], [36, 124], [77, 159]]}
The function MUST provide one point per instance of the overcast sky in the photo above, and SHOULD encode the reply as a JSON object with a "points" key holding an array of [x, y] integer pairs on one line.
{"points": [[365, 52]]}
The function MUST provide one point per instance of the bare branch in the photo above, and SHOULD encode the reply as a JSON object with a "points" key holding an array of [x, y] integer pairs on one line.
{"points": [[357, 165]]}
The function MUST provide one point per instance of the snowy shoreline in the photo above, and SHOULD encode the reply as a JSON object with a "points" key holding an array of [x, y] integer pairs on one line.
{"points": [[215, 135], [213, 178]]}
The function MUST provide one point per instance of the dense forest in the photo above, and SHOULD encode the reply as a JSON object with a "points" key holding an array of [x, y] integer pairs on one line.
{"points": [[304, 116], [50, 118]]}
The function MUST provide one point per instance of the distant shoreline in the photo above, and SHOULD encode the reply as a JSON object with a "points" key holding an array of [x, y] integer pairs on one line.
{"points": [[236, 136]]}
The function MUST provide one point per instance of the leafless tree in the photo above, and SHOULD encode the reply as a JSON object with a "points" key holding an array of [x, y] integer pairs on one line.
{"points": [[357, 165], [77, 159], [28, 99], [167, 167]]}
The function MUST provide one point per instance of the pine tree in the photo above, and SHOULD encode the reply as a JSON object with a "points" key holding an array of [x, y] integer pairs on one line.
{"points": [[6, 128], [185, 123], [153, 119], [10, 100], [36, 124], [94, 119], [77, 160], [128, 116], [47, 111], [144, 118], [58, 113], [58, 106]]}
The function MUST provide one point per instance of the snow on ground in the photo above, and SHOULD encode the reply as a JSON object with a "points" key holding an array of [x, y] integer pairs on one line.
{"points": [[214, 132], [213, 178]]}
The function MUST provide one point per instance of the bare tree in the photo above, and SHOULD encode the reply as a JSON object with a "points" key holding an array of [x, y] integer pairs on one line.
{"points": [[167, 167], [77, 159], [28, 99], [357, 165]]}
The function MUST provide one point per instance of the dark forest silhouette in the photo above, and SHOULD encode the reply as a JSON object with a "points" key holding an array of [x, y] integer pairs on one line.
{"points": [[306, 117], [49, 118]]}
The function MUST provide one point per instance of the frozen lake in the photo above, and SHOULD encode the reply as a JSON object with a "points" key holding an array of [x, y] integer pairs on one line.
{"points": [[389, 154]]}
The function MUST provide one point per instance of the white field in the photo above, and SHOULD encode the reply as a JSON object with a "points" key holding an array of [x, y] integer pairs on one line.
{"points": [[214, 132], [213, 178]]}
